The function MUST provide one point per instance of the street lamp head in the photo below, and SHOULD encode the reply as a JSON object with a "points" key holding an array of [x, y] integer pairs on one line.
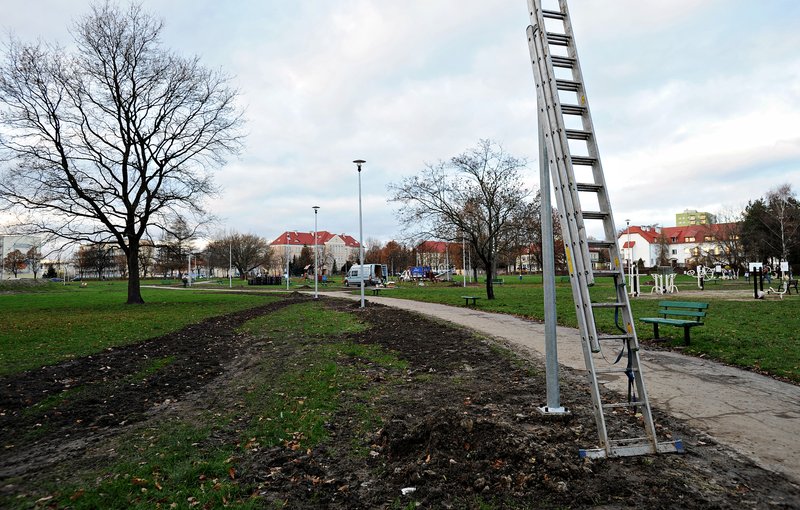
{"points": [[359, 162], [315, 208]]}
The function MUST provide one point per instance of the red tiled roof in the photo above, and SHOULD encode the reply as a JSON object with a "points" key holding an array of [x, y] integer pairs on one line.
{"points": [[432, 247], [679, 233], [307, 238], [628, 244]]}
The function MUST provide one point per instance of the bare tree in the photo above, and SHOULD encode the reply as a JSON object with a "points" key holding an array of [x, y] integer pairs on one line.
{"points": [[115, 138], [786, 218], [33, 258], [662, 245], [146, 258], [246, 252], [477, 193], [729, 236], [175, 247]]}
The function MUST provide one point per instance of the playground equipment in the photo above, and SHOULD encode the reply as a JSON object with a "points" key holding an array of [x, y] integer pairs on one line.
{"points": [[703, 274], [553, 45], [664, 284], [634, 280]]}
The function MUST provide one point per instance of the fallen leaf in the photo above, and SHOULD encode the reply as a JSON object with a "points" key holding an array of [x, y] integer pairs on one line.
{"points": [[232, 473]]}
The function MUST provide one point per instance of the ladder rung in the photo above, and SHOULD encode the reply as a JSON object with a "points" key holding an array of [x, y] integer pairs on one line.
{"points": [[588, 186], [577, 134], [608, 305], [606, 273], [594, 215], [595, 243], [632, 450], [557, 39], [568, 85], [583, 160], [558, 61], [572, 109], [612, 370], [614, 337], [629, 441], [624, 404], [552, 14]]}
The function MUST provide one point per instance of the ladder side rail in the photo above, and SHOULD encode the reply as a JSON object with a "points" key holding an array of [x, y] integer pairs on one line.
{"points": [[563, 178], [560, 143], [563, 200], [588, 126], [558, 160], [609, 230], [578, 295]]}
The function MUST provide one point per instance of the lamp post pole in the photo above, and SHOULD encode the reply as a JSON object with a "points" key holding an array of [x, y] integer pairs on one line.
{"points": [[287, 262], [230, 265], [189, 272], [316, 277], [360, 162], [629, 253], [464, 259]]}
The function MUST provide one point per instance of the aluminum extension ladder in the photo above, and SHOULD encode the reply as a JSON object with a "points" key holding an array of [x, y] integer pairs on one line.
{"points": [[577, 173]]}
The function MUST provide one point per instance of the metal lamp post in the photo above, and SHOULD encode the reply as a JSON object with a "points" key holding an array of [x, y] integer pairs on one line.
{"points": [[360, 162], [464, 259], [287, 261], [316, 277], [230, 265], [629, 251]]}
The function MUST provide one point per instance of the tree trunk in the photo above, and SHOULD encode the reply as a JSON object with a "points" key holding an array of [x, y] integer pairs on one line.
{"points": [[489, 284], [134, 286]]}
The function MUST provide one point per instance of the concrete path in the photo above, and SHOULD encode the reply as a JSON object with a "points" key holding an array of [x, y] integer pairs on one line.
{"points": [[755, 415]]}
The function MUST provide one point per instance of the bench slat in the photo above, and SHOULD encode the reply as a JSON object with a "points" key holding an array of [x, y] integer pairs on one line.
{"points": [[671, 322], [682, 304], [684, 313]]}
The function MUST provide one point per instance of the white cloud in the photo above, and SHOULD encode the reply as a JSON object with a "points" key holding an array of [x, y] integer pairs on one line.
{"points": [[694, 101]]}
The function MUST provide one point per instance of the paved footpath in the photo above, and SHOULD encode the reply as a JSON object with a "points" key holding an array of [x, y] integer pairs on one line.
{"points": [[755, 415]]}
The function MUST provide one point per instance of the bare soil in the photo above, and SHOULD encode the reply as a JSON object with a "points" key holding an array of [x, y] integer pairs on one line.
{"points": [[458, 429]]}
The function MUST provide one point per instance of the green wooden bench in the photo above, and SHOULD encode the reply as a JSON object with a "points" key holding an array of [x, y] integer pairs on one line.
{"points": [[467, 300], [685, 314], [498, 281]]}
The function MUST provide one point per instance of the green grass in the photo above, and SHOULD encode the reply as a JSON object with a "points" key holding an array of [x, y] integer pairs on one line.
{"points": [[45, 327], [193, 461], [738, 330]]}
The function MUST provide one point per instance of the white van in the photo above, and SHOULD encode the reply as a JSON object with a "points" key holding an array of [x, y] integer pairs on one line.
{"points": [[372, 274]]}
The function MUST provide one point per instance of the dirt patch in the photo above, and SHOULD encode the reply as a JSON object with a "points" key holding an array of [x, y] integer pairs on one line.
{"points": [[458, 427]]}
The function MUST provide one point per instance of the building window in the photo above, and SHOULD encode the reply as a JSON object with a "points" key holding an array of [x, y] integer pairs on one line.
{"points": [[688, 240], [708, 238], [674, 252]]}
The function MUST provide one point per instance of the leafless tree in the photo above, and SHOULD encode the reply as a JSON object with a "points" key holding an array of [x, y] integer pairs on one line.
{"points": [[115, 138], [477, 193], [729, 235], [246, 252], [785, 227], [34, 260]]}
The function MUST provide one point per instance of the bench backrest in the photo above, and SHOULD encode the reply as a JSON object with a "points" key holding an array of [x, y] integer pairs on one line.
{"points": [[683, 309]]}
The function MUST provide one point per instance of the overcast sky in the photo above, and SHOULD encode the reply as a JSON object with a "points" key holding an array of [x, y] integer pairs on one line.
{"points": [[696, 103]]}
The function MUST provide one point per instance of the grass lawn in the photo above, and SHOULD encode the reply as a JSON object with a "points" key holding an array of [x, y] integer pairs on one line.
{"points": [[49, 323], [738, 330], [182, 463]]}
